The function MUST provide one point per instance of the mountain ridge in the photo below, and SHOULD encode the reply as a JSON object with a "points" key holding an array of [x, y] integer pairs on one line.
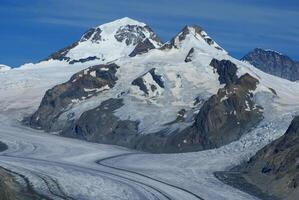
{"points": [[274, 63], [160, 81]]}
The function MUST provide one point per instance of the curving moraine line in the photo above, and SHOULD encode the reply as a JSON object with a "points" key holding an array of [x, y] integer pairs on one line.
{"points": [[92, 171], [100, 162]]}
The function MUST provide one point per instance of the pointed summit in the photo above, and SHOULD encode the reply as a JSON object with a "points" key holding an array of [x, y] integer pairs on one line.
{"points": [[192, 34]]}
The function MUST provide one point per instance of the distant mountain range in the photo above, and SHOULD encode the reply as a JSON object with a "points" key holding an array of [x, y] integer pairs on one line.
{"points": [[273, 63]]}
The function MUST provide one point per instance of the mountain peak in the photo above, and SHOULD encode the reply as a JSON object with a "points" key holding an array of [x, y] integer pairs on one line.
{"points": [[261, 50], [196, 35], [122, 22], [274, 63], [109, 42]]}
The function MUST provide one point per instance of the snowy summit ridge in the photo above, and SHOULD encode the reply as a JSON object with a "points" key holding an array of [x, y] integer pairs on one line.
{"points": [[124, 78], [108, 42]]}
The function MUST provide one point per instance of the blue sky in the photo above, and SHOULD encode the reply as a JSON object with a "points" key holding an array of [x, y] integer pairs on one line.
{"points": [[32, 29]]}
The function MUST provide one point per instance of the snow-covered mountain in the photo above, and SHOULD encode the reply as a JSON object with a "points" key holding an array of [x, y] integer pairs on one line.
{"points": [[124, 37], [109, 42], [4, 68], [187, 94]]}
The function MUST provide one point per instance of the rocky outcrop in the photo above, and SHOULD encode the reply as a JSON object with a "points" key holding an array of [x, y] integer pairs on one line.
{"points": [[274, 169], [150, 83], [61, 54], [142, 47], [273, 63], [82, 85], [189, 55], [93, 34], [134, 34], [226, 116], [83, 60], [226, 71], [222, 119], [101, 125]]}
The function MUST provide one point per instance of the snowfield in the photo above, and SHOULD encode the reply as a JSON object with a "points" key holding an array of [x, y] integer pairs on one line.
{"points": [[4, 68], [63, 168]]}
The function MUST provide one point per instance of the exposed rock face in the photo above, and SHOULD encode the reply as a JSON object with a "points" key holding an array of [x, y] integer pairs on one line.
{"points": [[226, 70], [150, 83], [82, 85], [83, 60], [133, 34], [142, 47], [226, 116], [189, 56], [61, 54], [274, 63], [101, 125], [223, 118], [94, 34], [275, 168]]}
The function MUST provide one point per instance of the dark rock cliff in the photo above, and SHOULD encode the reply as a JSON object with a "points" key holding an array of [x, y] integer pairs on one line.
{"points": [[82, 85], [101, 125]]}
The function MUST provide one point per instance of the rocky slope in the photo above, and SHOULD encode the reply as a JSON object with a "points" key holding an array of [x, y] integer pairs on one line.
{"points": [[273, 63], [81, 86], [274, 169], [185, 95]]}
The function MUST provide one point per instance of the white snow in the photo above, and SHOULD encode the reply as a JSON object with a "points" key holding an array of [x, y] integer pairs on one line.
{"points": [[108, 48], [4, 68], [93, 74]]}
